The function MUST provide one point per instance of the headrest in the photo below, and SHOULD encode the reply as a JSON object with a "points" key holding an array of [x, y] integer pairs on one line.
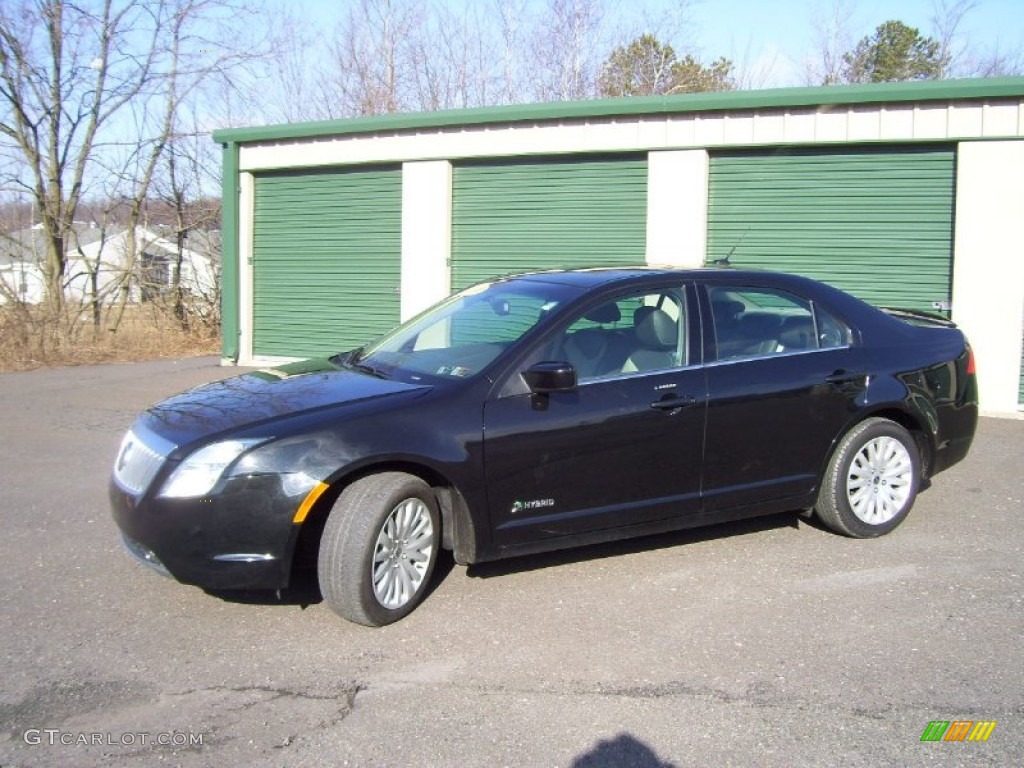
{"points": [[655, 329], [606, 313], [759, 325], [797, 333], [726, 309]]}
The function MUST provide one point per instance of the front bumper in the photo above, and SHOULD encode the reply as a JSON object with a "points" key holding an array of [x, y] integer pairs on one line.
{"points": [[143, 556], [242, 537]]}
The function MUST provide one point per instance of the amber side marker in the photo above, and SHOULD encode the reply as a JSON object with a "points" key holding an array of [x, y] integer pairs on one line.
{"points": [[309, 501]]}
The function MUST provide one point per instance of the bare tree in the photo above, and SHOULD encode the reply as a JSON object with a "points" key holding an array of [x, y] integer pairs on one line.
{"points": [[289, 84], [193, 297], [961, 57], [66, 71], [947, 18], [370, 54], [513, 33], [404, 55], [91, 99], [755, 71], [566, 38], [994, 62], [390, 56], [191, 55], [832, 39], [451, 59]]}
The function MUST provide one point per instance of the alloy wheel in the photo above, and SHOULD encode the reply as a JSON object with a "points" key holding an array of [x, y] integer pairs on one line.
{"points": [[880, 480], [401, 556]]}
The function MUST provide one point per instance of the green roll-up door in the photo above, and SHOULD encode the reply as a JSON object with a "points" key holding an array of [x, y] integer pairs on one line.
{"points": [[515, 216], [326, 260], [877, 222], [1020, 386]]}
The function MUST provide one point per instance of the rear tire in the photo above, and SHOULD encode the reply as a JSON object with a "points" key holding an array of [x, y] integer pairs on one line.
{"points": [[871, 481], [379, 548]]}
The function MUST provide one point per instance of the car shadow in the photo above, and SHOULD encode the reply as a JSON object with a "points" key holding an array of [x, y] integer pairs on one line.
{"points": [[304, 589], [640, 544]]}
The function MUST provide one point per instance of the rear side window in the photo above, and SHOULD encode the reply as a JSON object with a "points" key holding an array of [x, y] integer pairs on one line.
{"points": [[757, 322], [831, 331]]}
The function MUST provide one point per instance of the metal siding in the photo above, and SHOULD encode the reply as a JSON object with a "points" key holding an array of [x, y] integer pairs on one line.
{"points": [[877, 222], [326, 260], [515, 216]]}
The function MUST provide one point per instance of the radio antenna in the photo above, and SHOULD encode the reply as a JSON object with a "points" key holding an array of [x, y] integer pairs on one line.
{"points": [[724, 261]]}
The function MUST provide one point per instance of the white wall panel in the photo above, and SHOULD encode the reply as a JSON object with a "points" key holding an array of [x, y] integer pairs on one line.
{"points": [[426, 234], [931, 122], [988, 264], [677, 201], [1001, 119]]}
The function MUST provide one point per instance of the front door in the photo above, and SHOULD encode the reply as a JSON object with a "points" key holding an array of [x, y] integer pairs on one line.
{"points": [[624, 448]]}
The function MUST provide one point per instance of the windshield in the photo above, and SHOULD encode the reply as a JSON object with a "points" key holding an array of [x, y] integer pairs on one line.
{"points": [[464, 333]]}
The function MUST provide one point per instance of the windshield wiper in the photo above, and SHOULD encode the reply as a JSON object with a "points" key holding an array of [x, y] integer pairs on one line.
{"points": [[344, 358], [367, 368], [351, 361]]}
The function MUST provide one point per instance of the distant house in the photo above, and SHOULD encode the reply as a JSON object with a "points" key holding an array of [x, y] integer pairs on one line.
{"points": [[99, 262]]}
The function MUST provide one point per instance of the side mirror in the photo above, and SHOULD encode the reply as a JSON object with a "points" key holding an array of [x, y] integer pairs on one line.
{"points": [[549, 376]]}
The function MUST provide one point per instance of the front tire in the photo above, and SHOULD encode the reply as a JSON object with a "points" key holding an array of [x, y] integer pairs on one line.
{"points": [[872, 480], [379, 548]]}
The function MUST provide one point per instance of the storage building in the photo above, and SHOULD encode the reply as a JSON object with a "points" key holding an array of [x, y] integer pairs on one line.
{"points": [[906, 194]]}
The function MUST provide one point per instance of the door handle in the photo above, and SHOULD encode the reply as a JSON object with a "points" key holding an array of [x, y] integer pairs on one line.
{"points": [[843, 377], [673, 403]]}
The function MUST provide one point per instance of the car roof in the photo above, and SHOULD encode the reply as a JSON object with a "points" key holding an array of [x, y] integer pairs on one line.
{"points": [[598, 276], [595, 276]]}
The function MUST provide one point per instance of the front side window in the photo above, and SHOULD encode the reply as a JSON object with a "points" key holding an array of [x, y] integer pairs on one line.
{"points": [[630, 334], [754, 322]]}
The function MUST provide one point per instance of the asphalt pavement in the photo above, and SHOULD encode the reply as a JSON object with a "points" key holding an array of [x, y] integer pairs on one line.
{"points": [[763, 643]]}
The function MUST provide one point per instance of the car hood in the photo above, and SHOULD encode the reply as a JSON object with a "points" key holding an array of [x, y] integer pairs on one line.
{"points": [[258, 397]]}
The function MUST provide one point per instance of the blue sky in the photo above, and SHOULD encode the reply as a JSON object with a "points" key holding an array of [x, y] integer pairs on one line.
{"points": [[781, 32], [772, 39]]}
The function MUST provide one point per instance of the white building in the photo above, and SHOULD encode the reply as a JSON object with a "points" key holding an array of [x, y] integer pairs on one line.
{"points": [[99, 263]]}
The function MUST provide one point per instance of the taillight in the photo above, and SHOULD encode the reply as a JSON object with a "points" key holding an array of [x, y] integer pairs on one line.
{"points": [[970, 361]]}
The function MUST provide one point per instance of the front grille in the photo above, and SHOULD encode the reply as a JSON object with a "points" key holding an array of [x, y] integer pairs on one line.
{"points": [[141, 455]]}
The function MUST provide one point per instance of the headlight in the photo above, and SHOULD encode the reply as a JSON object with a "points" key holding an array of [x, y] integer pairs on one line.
{"points": [[197, 474]]}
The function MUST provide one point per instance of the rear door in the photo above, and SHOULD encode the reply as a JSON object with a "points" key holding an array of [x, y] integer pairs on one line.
{"points": [[783, 383]]}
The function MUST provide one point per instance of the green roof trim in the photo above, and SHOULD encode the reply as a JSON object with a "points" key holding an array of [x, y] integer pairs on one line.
{"points": [[775, 98]]}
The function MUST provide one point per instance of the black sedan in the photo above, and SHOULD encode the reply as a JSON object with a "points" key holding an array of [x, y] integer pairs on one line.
{"points": [[544, 411]]}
